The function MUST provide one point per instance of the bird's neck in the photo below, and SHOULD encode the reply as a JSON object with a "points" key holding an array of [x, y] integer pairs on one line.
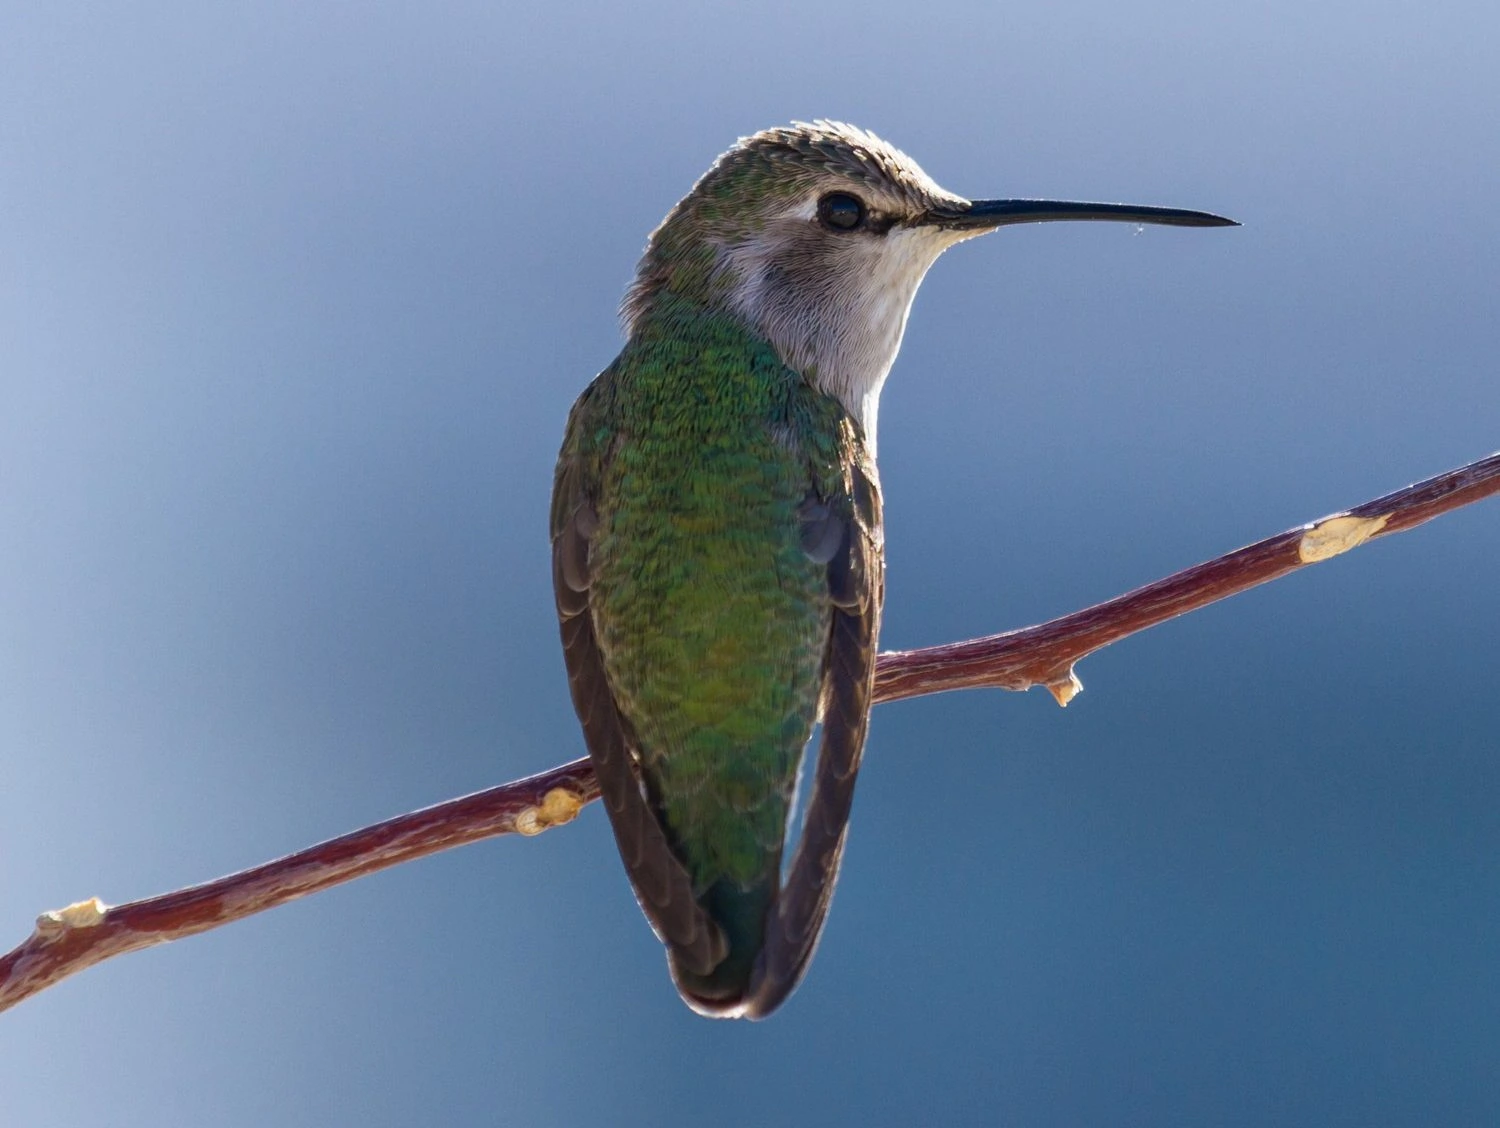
{"points": [[680, 349], [845, 354]]}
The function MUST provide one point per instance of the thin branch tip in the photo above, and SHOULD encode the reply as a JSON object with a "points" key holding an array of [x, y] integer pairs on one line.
{"points": [[1066, 688]]}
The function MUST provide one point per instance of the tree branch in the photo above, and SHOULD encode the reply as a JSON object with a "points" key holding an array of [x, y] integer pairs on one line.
{"points": [[68, 940], [1044, 655]]}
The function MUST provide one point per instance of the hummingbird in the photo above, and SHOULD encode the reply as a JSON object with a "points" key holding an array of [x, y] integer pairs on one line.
{"points": [[717, 545]]}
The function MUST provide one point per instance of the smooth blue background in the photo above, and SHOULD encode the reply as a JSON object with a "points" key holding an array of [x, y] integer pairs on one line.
{"points": [[293, 301]]}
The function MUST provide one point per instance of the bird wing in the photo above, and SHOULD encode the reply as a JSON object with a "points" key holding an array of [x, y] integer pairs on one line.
{"points": [[856, 587], [661, 883]]}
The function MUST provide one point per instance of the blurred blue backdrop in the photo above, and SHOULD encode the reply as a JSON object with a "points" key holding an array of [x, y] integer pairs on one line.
{"points": [[293, 302]]}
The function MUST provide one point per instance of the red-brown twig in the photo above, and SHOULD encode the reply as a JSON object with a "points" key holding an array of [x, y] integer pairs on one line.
{"points": [[68, 940], [1044, 655]]}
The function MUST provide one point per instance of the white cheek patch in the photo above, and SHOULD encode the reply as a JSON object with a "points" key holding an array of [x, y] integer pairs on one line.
{"points": [[804, 210]]}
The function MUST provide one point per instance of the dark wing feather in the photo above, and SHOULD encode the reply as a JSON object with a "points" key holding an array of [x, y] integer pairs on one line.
{"points": [[661, 884], [856, 585]]}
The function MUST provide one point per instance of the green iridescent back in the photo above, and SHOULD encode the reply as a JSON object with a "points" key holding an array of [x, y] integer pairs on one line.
{"points": [[711, 619]]}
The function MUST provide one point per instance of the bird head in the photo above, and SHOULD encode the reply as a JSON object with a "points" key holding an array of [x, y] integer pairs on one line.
{"points": [[817, 236]]}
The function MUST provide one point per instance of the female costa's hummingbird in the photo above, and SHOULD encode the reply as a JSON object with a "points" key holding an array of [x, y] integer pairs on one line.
{"points": [[716, 534]]}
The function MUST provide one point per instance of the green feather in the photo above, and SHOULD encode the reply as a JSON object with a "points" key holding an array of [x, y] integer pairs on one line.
{"points": [[711, 618]]}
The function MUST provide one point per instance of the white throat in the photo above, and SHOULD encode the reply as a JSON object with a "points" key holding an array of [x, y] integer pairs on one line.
{"points": [[835, 310]]}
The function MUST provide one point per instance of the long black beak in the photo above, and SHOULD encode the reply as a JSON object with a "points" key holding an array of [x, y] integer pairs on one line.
{"points": [[983, 215]]}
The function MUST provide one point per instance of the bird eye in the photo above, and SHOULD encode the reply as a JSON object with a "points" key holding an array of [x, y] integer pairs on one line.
{"points": [[841, 211]]}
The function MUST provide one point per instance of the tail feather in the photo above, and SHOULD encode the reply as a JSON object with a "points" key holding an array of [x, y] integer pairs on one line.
{"points": [[741, 914]]}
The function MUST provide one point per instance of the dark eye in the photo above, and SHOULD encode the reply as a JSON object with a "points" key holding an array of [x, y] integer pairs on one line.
{"points": [[841, 211]]}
